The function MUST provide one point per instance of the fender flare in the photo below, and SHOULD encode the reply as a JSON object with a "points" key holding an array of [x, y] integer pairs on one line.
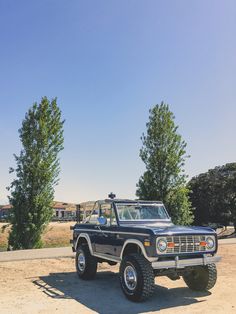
{"points": [[140, 244], [87, 238]]}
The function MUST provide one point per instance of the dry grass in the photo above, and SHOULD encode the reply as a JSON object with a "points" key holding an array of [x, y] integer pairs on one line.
{"points": [[57, 234]]}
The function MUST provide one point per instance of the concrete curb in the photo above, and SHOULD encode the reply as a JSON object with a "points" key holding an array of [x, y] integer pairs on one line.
{"points": [[227, 241], [21, 255]]}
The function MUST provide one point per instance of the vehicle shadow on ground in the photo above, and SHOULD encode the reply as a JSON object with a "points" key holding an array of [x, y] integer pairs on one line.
{"points": [[104, 295]]}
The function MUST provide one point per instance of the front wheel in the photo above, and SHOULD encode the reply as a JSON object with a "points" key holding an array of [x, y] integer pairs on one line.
{"points": [[86, 264], [201, 278], [136, 277]]}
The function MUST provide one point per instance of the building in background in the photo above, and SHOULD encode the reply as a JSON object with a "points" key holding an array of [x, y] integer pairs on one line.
{"points": [[61, 211], [5, 211], [64, 211]]}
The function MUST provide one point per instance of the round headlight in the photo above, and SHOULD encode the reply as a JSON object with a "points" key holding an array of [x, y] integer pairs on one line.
{"points": [[162, 245], [210, 242]]}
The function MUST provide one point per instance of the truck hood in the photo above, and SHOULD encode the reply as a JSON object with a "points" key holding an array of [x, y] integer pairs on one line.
{"points": [[176, 230], [171, 229]]}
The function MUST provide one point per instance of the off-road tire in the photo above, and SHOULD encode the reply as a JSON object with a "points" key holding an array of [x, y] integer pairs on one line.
{"points": [[90, 269], [145, 278], [202, 278]]}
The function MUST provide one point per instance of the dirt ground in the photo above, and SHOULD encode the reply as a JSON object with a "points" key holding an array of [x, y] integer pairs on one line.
{"points": [[52, 286]]}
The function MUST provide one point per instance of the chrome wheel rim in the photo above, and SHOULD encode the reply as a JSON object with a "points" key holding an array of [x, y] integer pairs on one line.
{"points": [[81, 261], [130, 277]]}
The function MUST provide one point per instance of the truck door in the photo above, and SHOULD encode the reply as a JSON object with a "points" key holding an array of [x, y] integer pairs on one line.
{"points": [[107, 240]]}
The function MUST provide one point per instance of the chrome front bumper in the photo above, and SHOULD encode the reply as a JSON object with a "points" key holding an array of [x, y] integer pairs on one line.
{"points": [[181, 263]]}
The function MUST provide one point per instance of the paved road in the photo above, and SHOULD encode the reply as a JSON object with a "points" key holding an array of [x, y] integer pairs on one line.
{"points": [[227, 241], [36, 254], [57, 252]]}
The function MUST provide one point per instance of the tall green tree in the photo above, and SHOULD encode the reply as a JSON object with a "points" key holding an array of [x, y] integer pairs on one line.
{"points": [[214, 195], [37, 170], [164, 154]]}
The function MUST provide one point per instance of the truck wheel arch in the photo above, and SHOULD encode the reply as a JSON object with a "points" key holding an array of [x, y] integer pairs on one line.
{"points": [[131, 243], [84, 238]]}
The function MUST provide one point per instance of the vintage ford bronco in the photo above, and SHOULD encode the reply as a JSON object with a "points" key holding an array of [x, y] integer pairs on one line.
{"points": [[141, 237]]}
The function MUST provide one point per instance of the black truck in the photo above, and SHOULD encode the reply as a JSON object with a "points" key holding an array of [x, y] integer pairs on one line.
{"points": [[141, 237]]}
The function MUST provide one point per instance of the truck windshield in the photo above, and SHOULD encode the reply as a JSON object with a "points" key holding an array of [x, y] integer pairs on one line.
{"points": [[127, 212]]}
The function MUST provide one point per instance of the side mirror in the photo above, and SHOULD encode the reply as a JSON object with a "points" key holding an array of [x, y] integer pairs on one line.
{"points": [[102, 221]]}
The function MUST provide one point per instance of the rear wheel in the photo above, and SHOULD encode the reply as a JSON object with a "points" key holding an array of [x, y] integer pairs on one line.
{"points": [[136, 277], [86, 264], [201, 278]]}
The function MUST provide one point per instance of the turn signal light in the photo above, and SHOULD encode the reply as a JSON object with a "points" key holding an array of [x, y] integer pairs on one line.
{"points": [[203, 243], [170, 245]]}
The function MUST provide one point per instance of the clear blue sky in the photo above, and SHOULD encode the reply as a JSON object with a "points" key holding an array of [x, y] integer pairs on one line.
{"points": [[108, 62]]}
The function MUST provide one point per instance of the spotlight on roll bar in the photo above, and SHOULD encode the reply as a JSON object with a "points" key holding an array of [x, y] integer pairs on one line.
{"points": [[112, 196]]}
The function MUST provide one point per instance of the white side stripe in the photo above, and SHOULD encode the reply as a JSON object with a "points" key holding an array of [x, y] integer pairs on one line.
{"points": [[114, 232]]}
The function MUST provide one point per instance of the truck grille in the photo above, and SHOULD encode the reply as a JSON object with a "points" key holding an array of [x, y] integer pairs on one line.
{"points": [[186, 244]]}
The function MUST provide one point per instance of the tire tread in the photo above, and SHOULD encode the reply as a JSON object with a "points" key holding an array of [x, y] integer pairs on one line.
{"points": [[91, 264], [206, 283], [147, 275]]}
